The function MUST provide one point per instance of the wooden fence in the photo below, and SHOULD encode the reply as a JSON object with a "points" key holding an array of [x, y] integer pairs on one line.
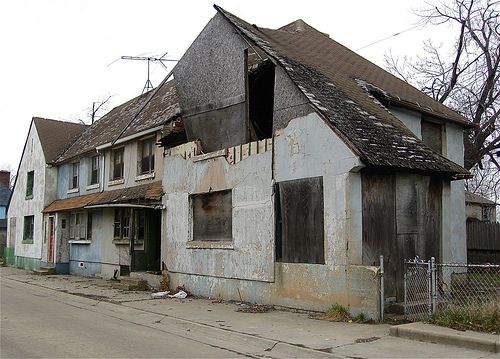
{"points": [[483, 242]]}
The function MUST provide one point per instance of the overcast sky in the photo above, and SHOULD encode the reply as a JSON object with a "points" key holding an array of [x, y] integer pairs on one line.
{"points": [[60, 56]]}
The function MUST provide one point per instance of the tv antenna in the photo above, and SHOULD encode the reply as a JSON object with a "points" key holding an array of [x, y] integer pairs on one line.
{"points": [[148, 86]]}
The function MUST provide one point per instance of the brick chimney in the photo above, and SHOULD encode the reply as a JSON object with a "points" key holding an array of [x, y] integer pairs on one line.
{"points": [[5, 178]]}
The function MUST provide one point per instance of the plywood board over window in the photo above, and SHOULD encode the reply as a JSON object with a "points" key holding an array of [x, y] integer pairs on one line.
{"points": [[212, 216], [300, 221]]}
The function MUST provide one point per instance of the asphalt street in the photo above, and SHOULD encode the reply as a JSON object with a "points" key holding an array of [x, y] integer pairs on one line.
{"points": [[75, 317]]}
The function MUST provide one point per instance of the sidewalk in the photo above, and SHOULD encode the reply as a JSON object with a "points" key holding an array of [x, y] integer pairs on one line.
{"points": [[281, 326]]}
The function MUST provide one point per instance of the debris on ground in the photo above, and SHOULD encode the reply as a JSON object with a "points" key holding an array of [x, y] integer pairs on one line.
{"points": [[160, 294], [255, 308]]}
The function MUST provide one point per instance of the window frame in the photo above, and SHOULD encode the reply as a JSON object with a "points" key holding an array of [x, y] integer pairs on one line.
{"points": [[94, 173], [218, 216], [74, 177], [77, 227], [28, 229], [30, 184], [114, 176], [149, 144]]}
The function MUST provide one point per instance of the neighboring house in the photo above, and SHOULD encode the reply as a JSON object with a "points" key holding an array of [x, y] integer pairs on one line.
{"points": [[4, 200], [109, 190], [305, 163], [483, 232], [478, 208], [34, 189]]}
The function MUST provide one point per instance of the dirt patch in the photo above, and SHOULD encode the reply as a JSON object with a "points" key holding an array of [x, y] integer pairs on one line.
{"points": [[255, 308]]}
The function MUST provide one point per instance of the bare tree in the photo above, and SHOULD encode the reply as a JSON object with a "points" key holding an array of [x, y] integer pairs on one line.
{"points": [[466, 80], [98, 107]]}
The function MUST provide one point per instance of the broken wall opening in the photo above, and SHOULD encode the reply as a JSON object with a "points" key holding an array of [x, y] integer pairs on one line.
{"points": [[261, 100]]}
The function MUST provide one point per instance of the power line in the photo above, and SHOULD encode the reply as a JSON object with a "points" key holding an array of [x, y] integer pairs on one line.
{"points": [[388, 37]]}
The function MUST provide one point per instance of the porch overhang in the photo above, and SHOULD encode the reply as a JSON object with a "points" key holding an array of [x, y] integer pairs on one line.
{"points": [[147, 195]]}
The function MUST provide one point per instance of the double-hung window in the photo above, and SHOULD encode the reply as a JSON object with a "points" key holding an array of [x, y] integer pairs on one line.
{"points": [[146, 160], [117, 169], [94, 170], [75, 169]]}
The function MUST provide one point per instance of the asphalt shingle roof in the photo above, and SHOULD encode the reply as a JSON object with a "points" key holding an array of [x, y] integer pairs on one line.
{"points": [[340, 83], [56, 136], [162, 107]]}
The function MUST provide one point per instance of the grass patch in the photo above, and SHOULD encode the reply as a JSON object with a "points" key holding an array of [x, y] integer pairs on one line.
{"points": [[483, 317], [339, 313]]}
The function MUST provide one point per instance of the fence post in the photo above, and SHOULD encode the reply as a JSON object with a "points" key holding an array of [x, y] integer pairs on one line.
{"points": [[429, 287], [433, 284], [405, 290], [382, 291]]}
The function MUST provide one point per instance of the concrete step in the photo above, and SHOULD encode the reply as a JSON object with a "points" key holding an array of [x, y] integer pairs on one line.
{"points": [[45, 271], [131, 284]]}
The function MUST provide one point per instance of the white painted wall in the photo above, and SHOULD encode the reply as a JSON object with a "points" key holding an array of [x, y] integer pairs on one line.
{"points": [[32, 160]]}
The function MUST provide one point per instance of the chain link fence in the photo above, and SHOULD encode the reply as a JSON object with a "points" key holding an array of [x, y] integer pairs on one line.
{"points": [[452, 289]]}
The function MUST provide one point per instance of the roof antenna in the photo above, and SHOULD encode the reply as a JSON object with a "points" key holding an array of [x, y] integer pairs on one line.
{"points": [[148, 86]]}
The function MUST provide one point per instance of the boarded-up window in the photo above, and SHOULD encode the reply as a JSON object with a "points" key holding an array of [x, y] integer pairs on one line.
{"points": [[300, 221], [212, 216], [432, 135]]}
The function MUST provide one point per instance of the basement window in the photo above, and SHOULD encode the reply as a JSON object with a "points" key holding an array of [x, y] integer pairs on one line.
{"points": [[300, 221], [212, 216]]}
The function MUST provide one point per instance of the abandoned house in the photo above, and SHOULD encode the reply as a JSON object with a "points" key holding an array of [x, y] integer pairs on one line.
{"points": [[310, 162], [34, 189], [276, 167]]}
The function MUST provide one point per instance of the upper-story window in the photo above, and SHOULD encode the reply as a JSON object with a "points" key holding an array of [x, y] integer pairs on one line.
{"points": [[117, 164], [146, 160], [94, 170], [432, 135], [30, 179], [75, 170]]}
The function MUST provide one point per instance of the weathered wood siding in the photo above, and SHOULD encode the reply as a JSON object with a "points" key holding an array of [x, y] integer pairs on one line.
{"points": [[483, 242], [302, 220], [401, 220]]}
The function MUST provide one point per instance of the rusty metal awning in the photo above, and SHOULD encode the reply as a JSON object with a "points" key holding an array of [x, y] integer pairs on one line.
{"points": [[145, 196]]}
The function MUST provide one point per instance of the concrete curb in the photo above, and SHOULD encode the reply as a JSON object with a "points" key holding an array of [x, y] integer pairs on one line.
{"points": [[441, 335]]}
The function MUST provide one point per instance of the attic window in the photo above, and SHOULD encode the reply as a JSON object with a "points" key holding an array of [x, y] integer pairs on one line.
{"points": [[261, 100], [432, 135]]}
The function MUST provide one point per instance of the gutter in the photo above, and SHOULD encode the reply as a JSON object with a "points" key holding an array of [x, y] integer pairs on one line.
{"points": [[128, 138]]}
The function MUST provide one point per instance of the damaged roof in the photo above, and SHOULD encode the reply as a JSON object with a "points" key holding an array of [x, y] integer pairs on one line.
{"points": [[141, 194], [56, 136], [341, 85], [160, 105]]}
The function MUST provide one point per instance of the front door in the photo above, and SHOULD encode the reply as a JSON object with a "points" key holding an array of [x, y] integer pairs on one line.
{"points": [[146, 253], [51, 239]]}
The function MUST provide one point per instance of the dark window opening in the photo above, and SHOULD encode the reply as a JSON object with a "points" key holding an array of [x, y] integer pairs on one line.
{"points": [[28, 228], [147, 156], [300, 221], [261, 100], [212, 216], [74, 176], [94, 175], [30, 178], [89, 225], [122, 223], [117, 172]]}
